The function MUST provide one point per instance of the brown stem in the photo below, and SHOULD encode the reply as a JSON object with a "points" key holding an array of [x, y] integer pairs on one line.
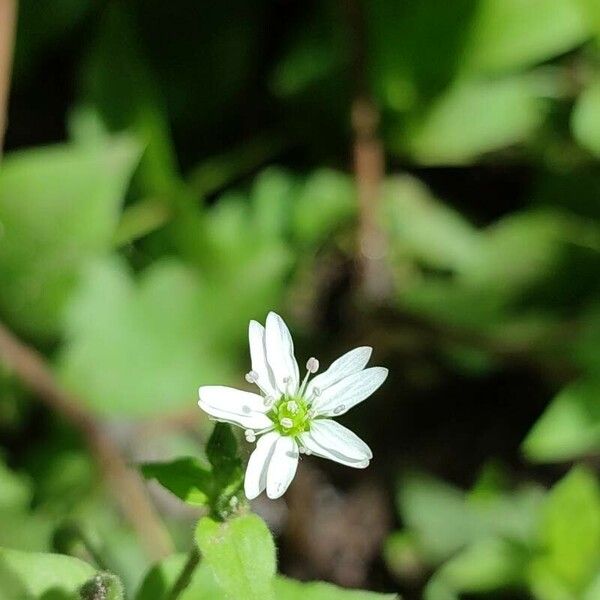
{"points": [[125, 484], [8, 24], [369, 163]]}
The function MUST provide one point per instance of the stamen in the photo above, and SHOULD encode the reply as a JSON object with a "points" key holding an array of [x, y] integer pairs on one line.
{"points": [[250, 436], [287, 423], [312, 365], [307, 452], [252, 377]]}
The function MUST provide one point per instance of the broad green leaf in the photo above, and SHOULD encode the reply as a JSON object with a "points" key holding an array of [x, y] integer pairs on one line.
{"points": [[289, 589], [184, 477], [32, 575], [513, 34], [570, 531], [241, 555], [569, 427], [159, 581], [59, 207], [475, 117], [585, 120], [140, 346]]}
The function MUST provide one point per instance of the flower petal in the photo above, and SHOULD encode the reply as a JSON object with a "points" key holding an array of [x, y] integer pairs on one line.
{"points": [[258, 356], [234, 406], [255, 480], [282, 466], [280, 354], [347, 364], [331, 440], [346, 393]]}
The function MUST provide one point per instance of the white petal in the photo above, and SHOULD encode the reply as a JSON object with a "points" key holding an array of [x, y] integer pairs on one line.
{"points": [[258, 464], [331, 440], [234, 406], [282, 466], [343, 395], [280, 354], [347, 364], [258, 356]]}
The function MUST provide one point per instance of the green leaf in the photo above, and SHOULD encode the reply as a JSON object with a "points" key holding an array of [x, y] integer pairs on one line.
{"points": [[443, 519], [509, 110], [241, 555], [31, 575], [585, 120], [570, 531], [513, 34], [327, 200], [184, 477], [59, 207], [141, 346], [159, 581], [569, 427], [289, 589]]}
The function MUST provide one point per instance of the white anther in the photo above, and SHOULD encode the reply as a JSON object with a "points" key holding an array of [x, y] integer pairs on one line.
{"points": [[312, 365], [252, 377], [287, 423], [250, 436], [307, 452], [301, 450], [292, 406]]}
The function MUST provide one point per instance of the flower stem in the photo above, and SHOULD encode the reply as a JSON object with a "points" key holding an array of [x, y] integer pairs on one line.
{"points": [[186, 574]]}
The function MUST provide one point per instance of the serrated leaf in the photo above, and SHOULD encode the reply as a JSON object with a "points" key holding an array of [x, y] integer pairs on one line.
{"points": [[59, 208], [184, 477], [569, 427], [241, 555], [25, 575]]}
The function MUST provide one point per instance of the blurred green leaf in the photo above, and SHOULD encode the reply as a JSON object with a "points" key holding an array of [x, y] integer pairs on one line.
{"points": [[140, 347], [59, 208], [472, 118], [326, 201], [32, 575], [585, 120], [288, 589], [184, 477], [160, 580], [241, 555], [569, 427], [570, 532], [444, 519], [513, 34]]}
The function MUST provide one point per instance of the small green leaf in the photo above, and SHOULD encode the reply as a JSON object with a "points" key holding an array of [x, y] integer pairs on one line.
{"points": [[570, 531], [585, 120], [569, 427], [184, 477], [289, 589], [25, 575], [241, 555]]}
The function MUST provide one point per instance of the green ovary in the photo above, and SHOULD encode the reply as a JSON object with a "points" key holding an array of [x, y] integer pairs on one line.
{"points": [[290, 415]]}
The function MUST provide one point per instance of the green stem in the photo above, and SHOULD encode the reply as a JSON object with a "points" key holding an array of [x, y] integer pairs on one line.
{"points": [[186, 574]]}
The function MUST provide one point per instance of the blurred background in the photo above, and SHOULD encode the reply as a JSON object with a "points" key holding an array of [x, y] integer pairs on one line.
{"points": [[414, 175]]}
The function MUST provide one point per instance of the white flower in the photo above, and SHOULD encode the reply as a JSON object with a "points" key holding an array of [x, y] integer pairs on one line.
{"points": [[293, 416]]}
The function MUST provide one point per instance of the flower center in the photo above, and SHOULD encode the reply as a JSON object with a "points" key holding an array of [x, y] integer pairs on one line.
{"points": [[290, 415]]}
